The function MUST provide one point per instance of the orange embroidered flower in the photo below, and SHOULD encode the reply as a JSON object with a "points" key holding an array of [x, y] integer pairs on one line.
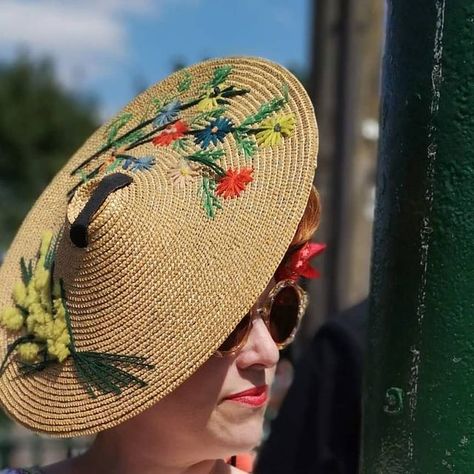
{"points": [[171, 133], [234, 182]]}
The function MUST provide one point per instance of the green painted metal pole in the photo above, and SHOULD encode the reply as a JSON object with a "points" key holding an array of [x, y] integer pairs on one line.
{"points": [[419, 391]]}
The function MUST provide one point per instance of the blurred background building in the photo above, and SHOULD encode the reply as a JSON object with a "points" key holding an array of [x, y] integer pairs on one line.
{"points": [[65, 67]]}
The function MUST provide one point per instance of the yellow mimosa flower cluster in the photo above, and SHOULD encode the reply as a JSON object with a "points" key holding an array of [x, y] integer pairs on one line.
{"points": [[40, 309]]}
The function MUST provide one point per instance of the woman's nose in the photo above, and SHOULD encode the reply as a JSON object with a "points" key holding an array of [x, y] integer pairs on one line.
{"points": [[260, 349]]}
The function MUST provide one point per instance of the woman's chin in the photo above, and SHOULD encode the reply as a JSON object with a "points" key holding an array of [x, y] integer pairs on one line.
{"points": [[244, 436]]}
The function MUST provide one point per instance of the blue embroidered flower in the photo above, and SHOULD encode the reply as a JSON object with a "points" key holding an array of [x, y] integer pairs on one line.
{"points": [[167, 113], [214, 132], [138, 164]]}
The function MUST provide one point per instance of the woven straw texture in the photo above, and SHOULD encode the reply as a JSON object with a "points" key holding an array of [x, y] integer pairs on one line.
{"points": [[159, 278]]}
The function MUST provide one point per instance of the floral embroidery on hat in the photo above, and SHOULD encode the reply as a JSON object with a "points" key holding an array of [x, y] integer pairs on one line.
{"points": [[41, 318], [183, 172], [172, 132], [197, 139], [273, 129], [168, 113], [234, 182], [214, 132]]}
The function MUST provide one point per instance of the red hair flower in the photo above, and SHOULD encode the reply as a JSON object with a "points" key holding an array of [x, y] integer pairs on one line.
{"points": [[234, 182], [299, 265], [172, 132]]}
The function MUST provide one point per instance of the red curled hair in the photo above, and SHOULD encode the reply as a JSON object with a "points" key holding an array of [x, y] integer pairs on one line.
{"points": [[309, 223]]}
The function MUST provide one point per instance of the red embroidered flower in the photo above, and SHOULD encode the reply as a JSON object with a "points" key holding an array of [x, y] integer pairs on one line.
{"points": [[299, 265], [234, 182], [172, 132]]}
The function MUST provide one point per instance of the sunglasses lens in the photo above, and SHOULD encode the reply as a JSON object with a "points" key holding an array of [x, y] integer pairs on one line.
{"points": [[237, 335], [284, 314]]}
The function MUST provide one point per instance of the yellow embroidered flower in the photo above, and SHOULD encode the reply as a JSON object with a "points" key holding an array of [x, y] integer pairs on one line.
{"points": [[58, 349], [39, 322], [273, 129], [12, 319], [42, 279], [32, 295], [46, 238], [183, 172], [208, 103], [19, 294], [28, 351]]}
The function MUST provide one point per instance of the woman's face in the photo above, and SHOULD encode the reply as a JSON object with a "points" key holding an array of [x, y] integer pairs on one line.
{"points": [[201, 418]]}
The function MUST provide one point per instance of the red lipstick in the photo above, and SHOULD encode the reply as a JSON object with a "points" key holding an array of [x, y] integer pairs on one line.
{"points": [[255, 397]]}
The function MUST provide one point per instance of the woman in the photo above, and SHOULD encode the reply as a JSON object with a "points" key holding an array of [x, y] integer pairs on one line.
{"points": [[166, 277]]}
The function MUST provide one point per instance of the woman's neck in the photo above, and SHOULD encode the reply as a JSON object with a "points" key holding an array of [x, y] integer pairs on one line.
{"points": [[109, 455]]}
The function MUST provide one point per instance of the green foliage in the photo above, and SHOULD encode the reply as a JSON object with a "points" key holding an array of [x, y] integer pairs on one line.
{"points": [[41, 125], [210, 201], [220, 75], [209, 158], [26, 271], [245, 144], [263, 112], [116, 125], [185, 82]]}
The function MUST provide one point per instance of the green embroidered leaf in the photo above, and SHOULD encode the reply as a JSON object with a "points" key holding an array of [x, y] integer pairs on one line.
{"points": [[263, 112], [180, 144], [208, 158], [209, 199], [116, 125], [185, 82], [26, 271], [129, 139], [220, 75], [245, 145], [49, 259], [83, 175], [101, 371]]}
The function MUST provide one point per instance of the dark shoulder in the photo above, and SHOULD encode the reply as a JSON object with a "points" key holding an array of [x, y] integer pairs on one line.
{"points": [[25, 470]]}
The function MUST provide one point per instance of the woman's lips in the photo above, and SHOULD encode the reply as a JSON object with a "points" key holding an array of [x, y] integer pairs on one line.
{"points": [[255, 397]]}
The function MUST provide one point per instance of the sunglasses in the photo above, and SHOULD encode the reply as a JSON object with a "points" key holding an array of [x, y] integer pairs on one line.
{"points": [[281, 312]]}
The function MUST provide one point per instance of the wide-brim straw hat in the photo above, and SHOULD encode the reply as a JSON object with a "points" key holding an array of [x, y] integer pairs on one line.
{"points": [[151, 276]]}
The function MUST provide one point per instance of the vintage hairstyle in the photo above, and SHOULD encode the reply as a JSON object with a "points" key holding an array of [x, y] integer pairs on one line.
{"points": [[309, 223]]}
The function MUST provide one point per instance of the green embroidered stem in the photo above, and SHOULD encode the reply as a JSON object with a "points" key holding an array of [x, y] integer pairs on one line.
{"points": [[182, 144], [84, 179], [11, 347], [116, 125], [209, 158], [245, 145], [263, 112], [205, 117], [210, 201], [129, 139], [28, 369]]}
